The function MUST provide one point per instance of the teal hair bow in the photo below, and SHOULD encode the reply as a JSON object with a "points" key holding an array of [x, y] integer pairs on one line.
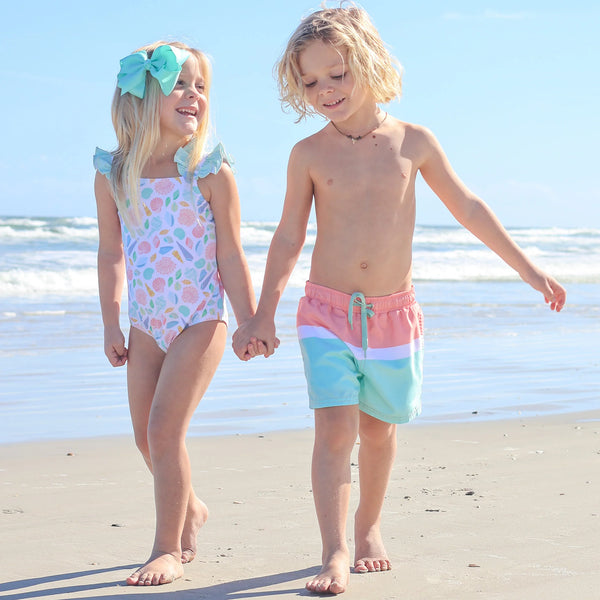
{"points": [[164, 65]]}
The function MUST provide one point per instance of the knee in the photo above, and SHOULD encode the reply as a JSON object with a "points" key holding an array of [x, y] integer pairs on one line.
{"points": [[377, 433], [336, 432], [141, 442], [165, 440], [339, 441], [156, 439]]}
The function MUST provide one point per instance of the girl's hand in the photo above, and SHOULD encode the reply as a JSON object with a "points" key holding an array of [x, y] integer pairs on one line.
{"points": [[114, 347]]}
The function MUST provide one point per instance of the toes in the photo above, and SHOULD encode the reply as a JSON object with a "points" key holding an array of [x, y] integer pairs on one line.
{"points": [[366, 565], [144, 577], [371, 565], [317, 585], [327, 585], [335, 587], [361, 567], [165, 579], [151, 579], [187, 556]]}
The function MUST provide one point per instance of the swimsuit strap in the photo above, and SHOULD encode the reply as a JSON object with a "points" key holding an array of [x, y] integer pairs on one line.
{"points": [[366, 310]]}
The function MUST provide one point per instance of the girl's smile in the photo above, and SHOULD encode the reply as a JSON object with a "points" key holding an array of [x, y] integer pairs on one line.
{"points": [[188, 111], [182, 111]]}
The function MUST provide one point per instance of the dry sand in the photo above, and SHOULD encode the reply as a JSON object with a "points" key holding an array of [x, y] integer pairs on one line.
{"points": [[486, 510]]}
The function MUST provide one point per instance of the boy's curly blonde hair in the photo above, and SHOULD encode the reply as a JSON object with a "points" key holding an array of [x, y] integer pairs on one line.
{"points": [[345, 28]]}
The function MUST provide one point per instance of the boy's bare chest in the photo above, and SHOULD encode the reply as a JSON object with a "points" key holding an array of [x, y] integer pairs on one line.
{"points": [[379, 172]]}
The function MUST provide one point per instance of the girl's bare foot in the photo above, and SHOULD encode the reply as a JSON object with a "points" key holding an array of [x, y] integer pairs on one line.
{"points": [[370, 554], [196, 516], [160, 568], [333, 577]]}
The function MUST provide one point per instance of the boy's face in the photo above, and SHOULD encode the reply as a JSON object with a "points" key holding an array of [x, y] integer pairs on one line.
{"points": [[329, 86]]}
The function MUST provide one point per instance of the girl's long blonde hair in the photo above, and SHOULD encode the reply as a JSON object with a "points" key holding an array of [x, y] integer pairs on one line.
{"points": [[345, 28], [137, 126]]}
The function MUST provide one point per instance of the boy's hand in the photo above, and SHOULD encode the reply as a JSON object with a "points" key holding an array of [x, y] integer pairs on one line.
{"points": [[554, 294]]}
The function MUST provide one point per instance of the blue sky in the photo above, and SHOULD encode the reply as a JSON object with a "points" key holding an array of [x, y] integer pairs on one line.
{"points": [[510, 89]]}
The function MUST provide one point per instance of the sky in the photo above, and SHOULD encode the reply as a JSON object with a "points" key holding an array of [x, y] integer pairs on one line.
{"points": [[510, 89]]}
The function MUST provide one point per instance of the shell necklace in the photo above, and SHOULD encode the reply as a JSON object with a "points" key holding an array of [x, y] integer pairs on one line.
{"points": [[359, 137]]}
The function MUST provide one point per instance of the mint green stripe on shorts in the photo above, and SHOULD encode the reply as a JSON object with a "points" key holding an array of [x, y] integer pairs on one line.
{"points": [[389, 390]]}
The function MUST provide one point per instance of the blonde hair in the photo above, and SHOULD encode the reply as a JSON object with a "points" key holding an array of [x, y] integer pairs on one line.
{"points": [[137, 126], [345, 28]]}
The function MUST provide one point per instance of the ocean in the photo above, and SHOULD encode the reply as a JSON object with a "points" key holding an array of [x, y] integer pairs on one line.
{"points": [[493, 348]]}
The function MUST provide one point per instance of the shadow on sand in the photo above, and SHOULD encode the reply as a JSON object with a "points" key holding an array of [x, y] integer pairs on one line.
{"points": [[56, 587]]}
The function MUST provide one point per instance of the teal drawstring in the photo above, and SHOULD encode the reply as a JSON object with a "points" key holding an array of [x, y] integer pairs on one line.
{"points": [[366, 310]]}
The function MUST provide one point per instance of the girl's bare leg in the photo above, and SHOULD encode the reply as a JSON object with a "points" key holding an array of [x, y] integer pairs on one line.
{"points": [[143, 372], [336, 429], [375, 460], [161, 419], [195, 517]]}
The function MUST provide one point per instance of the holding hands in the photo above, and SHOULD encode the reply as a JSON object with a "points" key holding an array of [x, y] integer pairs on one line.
{"points": [[255, 337]]}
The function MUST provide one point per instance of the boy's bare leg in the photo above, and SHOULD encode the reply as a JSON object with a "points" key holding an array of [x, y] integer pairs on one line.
{"points": [[336, 429], [185, 373], [375, 460]]}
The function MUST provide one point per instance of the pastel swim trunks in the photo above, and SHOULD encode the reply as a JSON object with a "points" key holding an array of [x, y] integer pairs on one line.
{"points": [[362, 350]]}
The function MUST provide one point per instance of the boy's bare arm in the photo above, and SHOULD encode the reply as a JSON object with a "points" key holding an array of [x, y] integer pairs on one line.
{"points": [[283, 254], [476, 216]]}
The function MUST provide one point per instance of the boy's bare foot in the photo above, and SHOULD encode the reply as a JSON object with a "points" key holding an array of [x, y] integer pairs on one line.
{"points": [[160, 568], [195, 518], [333, 577], [370, 554]]}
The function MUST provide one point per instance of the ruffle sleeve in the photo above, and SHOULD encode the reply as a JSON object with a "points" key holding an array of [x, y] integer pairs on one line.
{"points": [[103, 161], [211, 163]]}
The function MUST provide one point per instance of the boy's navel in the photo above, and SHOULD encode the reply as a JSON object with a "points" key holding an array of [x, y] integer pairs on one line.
{"points": [[330, 182], [364, 265]]}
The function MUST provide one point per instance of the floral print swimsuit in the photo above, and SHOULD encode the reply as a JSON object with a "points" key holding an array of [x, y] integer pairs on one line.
{"points": [[172, 274]]}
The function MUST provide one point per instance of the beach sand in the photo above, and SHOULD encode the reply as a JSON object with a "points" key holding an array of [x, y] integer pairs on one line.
{"points": [[496, 509]]}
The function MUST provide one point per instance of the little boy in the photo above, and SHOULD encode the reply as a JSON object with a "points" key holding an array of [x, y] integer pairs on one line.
{"points": [[359, 325]]}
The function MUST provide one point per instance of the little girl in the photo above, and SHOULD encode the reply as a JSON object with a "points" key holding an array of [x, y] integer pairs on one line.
{"points": [[169, 219]]}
